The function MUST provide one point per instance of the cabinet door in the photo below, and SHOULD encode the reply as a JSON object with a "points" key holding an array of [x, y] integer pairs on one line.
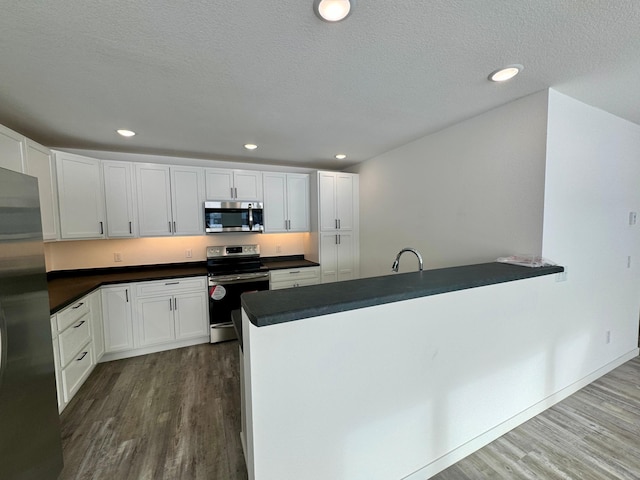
{"points": [[346, 257], [219, 184], [328, 257], [327, 201], [80, 196], [275, 202], [40, 164], [117, 318], [191, 312], [119, 200], [247, 185], [344, 201], [11, 150], [297, 202], [155, 320], [187, 185], [154, 200], [97, 327]]}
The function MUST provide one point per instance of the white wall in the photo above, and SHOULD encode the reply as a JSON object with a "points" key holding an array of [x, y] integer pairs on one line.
{"points": [[466, 194], [592, 183]]}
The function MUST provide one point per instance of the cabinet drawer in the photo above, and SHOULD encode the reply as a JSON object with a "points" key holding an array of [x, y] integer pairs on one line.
{"points": [[170, 286], [302, 282], [72, 313], [294, 274], [76, 372], [54, 327], [73, 339]]}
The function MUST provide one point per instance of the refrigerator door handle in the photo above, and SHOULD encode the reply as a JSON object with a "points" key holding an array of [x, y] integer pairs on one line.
{"points": [[3, 344]]}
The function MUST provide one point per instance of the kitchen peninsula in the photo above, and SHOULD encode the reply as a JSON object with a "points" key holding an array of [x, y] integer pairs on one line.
{"points": [[401, 376]]}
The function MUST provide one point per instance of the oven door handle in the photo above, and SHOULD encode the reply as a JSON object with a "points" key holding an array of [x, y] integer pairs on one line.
{"points": [[238, 279]]}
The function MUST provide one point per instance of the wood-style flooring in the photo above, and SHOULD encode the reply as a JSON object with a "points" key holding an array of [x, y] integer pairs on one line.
{"points": [[170, 415], [175, 415]]}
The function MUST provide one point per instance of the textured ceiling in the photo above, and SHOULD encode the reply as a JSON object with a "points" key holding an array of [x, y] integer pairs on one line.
{"points": [[201, 78]]}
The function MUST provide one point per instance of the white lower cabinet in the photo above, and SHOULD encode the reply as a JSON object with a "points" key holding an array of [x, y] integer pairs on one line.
{"points": [[165, 316], [117, 318], [147, 317], [73, 355], [294, 277], [338, 258]]}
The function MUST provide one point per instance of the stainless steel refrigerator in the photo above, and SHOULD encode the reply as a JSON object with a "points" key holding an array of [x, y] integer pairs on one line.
{"points": [[30, 444]]}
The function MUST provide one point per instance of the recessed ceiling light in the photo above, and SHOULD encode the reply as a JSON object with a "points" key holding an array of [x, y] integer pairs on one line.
{"points": [[250, 146], [505, 73], [126, 133], [341, 156], [332, 10]]}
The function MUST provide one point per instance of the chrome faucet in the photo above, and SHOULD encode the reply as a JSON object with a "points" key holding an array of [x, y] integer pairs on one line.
{"points": [[396, 262]]}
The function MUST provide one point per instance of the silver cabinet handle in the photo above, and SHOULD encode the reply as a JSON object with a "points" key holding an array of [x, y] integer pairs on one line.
{"points": [[336, 239], [80, 324], [231, 192], [77, 306], [295, 271], [172, 283], [235, 192], [175, 303], [339, 240], [101, 229], [336, 220], [169, 227], [339, 225], [84, 354], [130, 229], [126, 294], [174, 227], [170, 304]]}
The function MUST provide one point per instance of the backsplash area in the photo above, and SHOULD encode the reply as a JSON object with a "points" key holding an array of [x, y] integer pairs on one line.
{"points": [[73, 255]]}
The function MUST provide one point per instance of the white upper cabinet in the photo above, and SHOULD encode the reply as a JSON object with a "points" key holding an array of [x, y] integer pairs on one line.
{"points": [[119, 199], [286, 202], [39, 163], [336, 201], [187, 186], [11, 150], [154, 200], [81, 197], [223, 184], [170, 200]]}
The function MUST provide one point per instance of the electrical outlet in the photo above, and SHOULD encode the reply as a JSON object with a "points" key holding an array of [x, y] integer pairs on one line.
{"points": [[633, 217], [607, 337], [188, 253], [117, 257]]}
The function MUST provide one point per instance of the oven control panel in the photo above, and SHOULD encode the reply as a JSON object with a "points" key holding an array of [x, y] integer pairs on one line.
{"points": [[232, 250]]}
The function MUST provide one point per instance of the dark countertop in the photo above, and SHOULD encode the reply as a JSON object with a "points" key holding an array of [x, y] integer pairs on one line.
{"points": [[279, 306], [65, 287], [290, 261], [68, 286]]}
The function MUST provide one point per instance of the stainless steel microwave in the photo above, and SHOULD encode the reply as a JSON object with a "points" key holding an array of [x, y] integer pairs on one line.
{"points": [[220, 217]]}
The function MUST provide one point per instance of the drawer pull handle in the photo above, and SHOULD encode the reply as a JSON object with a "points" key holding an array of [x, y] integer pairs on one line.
{"points": [[172, 283], [297, 271], [80, 324], [78, 305], [84, 354]]}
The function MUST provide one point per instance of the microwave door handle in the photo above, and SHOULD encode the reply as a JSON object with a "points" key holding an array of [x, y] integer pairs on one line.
{"points": [[250, 217]]}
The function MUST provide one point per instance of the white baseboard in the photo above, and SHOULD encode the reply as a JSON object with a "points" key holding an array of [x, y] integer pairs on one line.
{"points": [[496, 432], [108, 357]]}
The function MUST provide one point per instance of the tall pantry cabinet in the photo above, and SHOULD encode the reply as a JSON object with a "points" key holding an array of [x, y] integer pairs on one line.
{"points": [[334, 240]]}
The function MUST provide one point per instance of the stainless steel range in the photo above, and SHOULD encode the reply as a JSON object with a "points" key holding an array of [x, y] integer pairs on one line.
{"points": [[232, 271]]}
